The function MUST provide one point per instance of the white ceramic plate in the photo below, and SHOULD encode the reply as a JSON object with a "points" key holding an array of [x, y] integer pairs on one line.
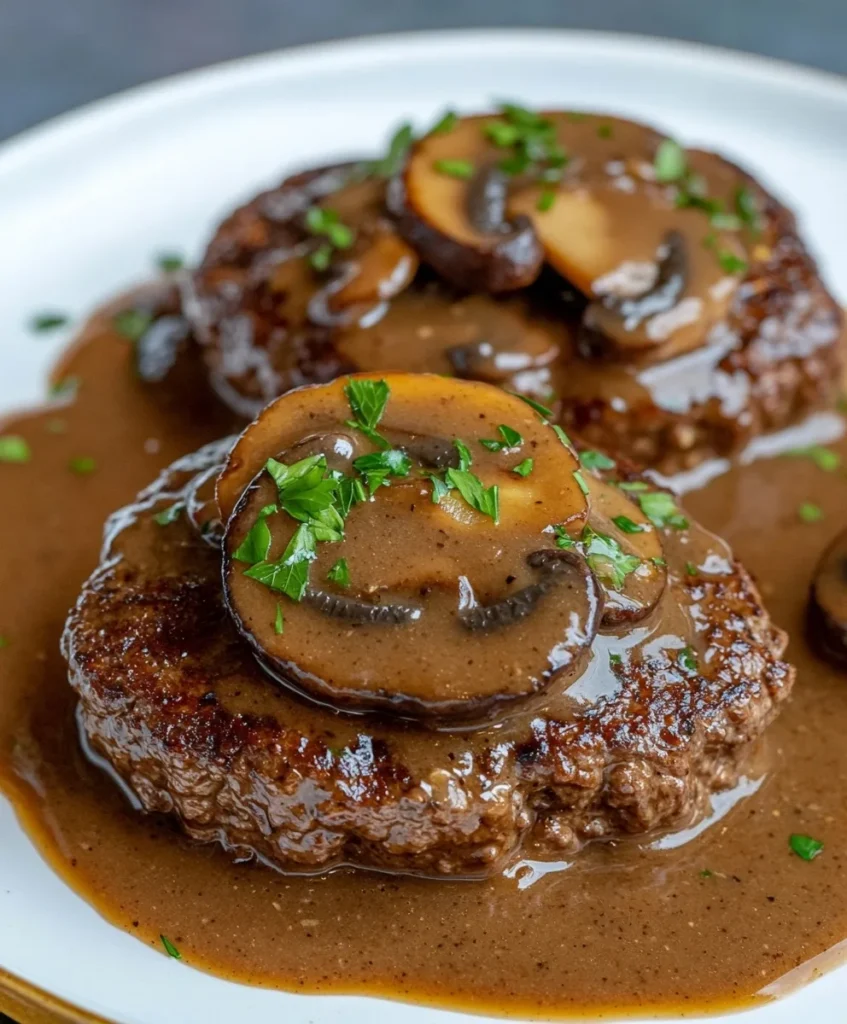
{"points": [[87, 200]]}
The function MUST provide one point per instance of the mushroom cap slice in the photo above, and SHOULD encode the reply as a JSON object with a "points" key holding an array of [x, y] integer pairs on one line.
{"points": [[828, 602], [461, 225], [446, 610]]}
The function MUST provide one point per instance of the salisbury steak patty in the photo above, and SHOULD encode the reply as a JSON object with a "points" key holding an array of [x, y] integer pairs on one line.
{"points": [[171, 696], [661, 301]]}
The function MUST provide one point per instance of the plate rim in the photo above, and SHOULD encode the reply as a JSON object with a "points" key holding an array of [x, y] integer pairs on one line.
{"points": [[46, 139]]}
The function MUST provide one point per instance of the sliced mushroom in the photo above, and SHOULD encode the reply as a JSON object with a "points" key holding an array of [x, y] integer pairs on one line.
{"points": [[457, 607], [450, 203], [631, 590], [828, 603]]}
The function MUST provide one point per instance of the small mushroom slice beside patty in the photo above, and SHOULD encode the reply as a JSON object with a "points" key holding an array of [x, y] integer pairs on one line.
{"points": [[451, 204], [828, 603], [416, 573]]}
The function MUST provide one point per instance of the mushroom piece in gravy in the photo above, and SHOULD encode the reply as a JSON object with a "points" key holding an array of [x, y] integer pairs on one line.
{"points": [[828, 602]]}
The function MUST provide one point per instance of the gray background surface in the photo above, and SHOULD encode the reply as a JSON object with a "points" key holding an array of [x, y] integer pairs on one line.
{"points": [[58, 54]]}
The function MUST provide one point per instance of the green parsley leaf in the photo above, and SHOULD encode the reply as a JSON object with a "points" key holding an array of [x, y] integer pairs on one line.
{"points": [[523, 468], [462, 169], [627, 525], [607, 558], [615, 659], [501, 133], [350, 492], [445, 124], [747, 208], [824, 458], [580, 480], [133, 324], [563, 538], [14, 448], [398, 150], [605, 131], [670, 162], [596, 460], [661, 509], [562, 436], [321, 258], [170, 262], [256, 546], [50, 320], [706, 873], [688, 659], [368, 399], [510, 438], [170, 948], [290, 573], [483, 499], [633, 485], [722, 221], [542, 410], [465, 457], [546, 199], [439, 489], [378, 466], [279, 624], [691, 569], [65, 387], [82, 465], [656, 560], [170, 514], [804, 846], [730, 263], [809, 512], [340, 573]]}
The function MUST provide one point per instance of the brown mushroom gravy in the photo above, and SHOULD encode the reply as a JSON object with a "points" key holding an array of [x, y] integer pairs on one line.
{"points": [[723, 914]]}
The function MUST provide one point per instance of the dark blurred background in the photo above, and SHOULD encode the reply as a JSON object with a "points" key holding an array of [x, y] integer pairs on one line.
{"points": [[57, 54]]}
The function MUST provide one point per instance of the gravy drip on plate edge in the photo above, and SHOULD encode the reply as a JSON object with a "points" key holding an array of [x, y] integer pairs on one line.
{"points": [[712, 923]]}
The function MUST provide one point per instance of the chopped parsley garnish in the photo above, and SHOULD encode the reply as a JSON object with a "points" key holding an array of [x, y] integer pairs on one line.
{"points": [[562, 436], [340, 573], [398, 150], [368, 399], [476, 494], [670, 163], [509, 438], [661, 509], [605, 131], [523, 468], [308, 493], [445, 124], [465, 457], [462, 169], [50, 320], [65, 387], [804, 846], [809, 512], [627, 525], [350, 492], [746, 208], [691, 568], [688, 659], [824, 458], [656, 560], [542, 410], [563, 538], [596, 460], [170, 514], [615, 659], [170, 948], [279, 623], [730, 263], [722, 221], [290, 573], [325, 223], [82, 465], [546, 199], [133, 324], [439, 489], [580, 481], [607, 558], [256, 546], [170, 262], [532, 139], [633, 485], [706, 873], [378, 466], [14, 448]]}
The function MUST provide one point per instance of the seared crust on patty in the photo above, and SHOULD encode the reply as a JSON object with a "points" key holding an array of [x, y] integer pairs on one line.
{"points": [[171, 697]]}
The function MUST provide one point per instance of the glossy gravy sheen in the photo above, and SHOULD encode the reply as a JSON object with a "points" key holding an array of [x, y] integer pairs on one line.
{"points": [[715, 922]]}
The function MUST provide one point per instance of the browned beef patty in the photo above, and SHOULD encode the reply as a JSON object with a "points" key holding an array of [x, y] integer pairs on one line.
{"points": [[173, 700]]}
